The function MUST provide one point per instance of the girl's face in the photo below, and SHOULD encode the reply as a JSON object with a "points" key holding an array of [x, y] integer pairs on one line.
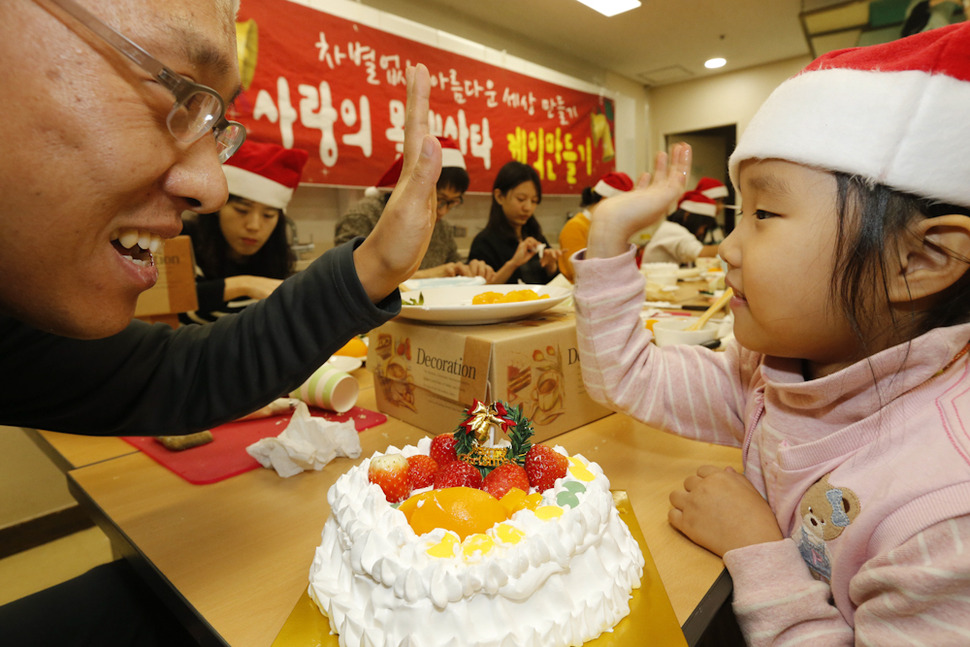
{"points": [[247, 225], [781, 260], [519, 204]]}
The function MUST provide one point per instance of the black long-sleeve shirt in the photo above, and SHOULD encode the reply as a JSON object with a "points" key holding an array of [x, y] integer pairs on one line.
{"points": [[156, 380]]}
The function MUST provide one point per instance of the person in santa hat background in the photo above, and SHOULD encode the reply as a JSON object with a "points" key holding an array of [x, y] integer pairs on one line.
{"points": [[442, 258], [573, 235], [697, 213], [845, 383], [718, 192], [241, 251]]}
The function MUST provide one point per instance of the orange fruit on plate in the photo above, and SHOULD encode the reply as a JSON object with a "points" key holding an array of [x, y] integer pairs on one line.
{"points": [[463, 510], [354, 348]]}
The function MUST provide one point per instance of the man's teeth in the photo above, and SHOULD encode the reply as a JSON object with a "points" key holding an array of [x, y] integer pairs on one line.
{"points": [[144, 239]]}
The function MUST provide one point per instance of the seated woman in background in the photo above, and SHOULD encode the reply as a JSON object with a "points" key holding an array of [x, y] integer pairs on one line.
{"points": [[512, 241], [575, 232], [441, 259], [697, 213], [241, 251]]}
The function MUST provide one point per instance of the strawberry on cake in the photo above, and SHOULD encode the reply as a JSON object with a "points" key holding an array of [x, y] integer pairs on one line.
{"points": [[477, 538]]}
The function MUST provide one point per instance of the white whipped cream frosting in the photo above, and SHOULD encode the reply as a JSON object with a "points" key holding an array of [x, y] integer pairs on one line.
{"points": [[564, 582]]}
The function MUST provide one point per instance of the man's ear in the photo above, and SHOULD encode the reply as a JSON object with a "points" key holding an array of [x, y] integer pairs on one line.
{"points": [[932, 258]]}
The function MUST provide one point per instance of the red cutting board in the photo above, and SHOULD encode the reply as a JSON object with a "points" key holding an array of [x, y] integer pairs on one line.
{"points": [[226, 455]]}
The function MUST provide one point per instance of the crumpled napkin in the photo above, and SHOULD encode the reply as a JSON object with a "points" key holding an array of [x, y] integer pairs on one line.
{"points": [[308, 442]]}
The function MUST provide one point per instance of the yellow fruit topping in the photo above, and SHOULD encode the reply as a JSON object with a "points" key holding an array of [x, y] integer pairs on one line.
{"points": [[515, 500], [445, 547], [548, 512], [512, 296], [354, 348], [463, 510], [477, 543], [579, 471], [508, 534]]}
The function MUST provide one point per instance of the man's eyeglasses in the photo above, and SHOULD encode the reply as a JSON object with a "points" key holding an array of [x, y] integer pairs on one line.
{"points": [[197, 109], [449, 204]]}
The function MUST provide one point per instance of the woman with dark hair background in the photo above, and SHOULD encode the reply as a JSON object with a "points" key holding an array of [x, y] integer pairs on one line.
{"points": [[512, 241], [241, 251]]}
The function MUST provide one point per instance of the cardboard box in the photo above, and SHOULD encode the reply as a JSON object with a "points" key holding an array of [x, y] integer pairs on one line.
{"points": [[427, 375], [175, 290]]}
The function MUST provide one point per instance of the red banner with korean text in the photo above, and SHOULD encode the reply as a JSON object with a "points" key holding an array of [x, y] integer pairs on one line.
{"points": [[336, 88]]}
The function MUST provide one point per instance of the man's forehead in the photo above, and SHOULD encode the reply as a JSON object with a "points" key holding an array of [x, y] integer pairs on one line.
{"points": [[207, 45]]}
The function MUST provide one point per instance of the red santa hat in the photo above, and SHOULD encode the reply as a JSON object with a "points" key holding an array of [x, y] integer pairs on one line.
{"points": [[613, 183], [697, 202], [711, 188], [450, 157], [895, 113], [265, 172]]}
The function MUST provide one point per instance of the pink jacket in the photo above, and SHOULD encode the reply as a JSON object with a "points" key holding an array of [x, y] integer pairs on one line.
{"points": [[867, 470]]}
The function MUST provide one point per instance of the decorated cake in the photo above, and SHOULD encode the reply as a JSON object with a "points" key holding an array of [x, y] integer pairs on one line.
{"points": [[477, 538]]}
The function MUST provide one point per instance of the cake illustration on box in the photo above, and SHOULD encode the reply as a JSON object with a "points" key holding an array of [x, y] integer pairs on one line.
{"points": [[478, 537], [536, 384], [392, 375]]}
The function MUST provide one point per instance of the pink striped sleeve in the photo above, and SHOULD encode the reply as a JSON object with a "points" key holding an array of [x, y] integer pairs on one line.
{"points": [[917, 594], [688, 390]]}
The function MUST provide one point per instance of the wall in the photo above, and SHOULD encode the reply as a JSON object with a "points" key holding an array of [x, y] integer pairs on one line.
{"points": [[724, 99]]}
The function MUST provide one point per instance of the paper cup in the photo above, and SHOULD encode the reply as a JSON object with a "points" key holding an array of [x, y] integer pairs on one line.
{"points": [[329, 388]]}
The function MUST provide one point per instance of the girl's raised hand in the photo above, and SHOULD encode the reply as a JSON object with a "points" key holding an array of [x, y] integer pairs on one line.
{"points": [[619, 217], [393, 251]]}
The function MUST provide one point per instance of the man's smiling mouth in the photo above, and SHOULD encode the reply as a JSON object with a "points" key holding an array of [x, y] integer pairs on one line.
{"points": [[136, 245]]}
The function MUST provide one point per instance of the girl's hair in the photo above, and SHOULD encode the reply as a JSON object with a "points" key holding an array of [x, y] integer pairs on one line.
{"points": [[872, 221], [274, 260], [508, 177], [589, 197]]}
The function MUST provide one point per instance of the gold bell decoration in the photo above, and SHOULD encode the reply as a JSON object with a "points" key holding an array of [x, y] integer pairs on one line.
{"points": [[493, 434], [247, 47], [600, 127]]}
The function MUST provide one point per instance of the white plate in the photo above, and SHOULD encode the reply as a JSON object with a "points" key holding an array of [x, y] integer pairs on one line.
{"points": [[345, 363], [454, 305], [441, 282]]}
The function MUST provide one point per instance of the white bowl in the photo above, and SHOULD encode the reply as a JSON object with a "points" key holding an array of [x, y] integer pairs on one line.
{"points": [[662, 279], [670, 332]]}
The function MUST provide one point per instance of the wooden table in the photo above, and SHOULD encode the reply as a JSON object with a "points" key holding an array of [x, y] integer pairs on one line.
{"points": [[69, 451], [232, 558]]}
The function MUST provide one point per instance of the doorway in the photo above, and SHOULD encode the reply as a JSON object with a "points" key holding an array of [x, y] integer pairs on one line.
{"points": [[711, 148]]}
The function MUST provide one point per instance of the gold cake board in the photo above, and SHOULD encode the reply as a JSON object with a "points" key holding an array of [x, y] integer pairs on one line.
{"points": [[650, 612]]}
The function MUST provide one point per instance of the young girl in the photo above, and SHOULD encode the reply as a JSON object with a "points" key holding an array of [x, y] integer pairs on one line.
{"points": [[241, 251], [512, 242], [847, 389]]}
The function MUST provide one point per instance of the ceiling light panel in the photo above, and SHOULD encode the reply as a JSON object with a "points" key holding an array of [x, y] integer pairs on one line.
{"points": [[611, 7]]}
